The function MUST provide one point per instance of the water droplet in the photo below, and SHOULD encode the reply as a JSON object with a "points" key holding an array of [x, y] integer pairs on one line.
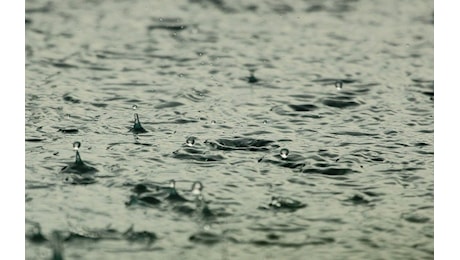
{"points": [[76, 145], [284, 153], [190, 141], [275, 202], [197, 187], [338, 85], [134, 107]]}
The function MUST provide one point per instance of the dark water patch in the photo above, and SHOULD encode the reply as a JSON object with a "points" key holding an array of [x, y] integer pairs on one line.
{"points": [[397, 170], [303, 96], [241, 143], [369, 242], [329, 171], [169, 104], [421, 144], [101, 105], [207, 238], [310, 241], [169, 27], [146, 200], [48, 7], [353, 133], [303, 108], [196, 155], [67, 97], [335, 7], [357, 199], [68, 130], [97, 68], [332, 81], [283, 111], [35, 140], [63, 65], [169, 58], [340, 102], [415, 218]]}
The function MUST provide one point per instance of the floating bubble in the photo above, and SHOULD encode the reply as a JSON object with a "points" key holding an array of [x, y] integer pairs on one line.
{"points": [[338, 85], [134, 107], [76, 145], [190, 141], [265, 122], [213, 122], [284, 153]]}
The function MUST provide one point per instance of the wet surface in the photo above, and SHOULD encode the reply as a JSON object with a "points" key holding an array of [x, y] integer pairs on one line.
{"points": [[309, 125]]}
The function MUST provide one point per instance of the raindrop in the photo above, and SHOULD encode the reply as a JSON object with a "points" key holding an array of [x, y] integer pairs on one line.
{"points": [[190, 141], [338, 85], [134, 107], [284, 153], [76, 145], [252, 78], [197, 187]]}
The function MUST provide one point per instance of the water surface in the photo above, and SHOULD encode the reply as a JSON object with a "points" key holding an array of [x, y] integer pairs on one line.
{"points": [[220, 88]]}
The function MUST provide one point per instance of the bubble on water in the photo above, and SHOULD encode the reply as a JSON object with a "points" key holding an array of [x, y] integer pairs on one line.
{"points": [[338, 85], [200, 54], [197, 187], [265, 122], [172, 184], [284, 153], [190, 141], [213, 122], [134, 107], [76, 145]]}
